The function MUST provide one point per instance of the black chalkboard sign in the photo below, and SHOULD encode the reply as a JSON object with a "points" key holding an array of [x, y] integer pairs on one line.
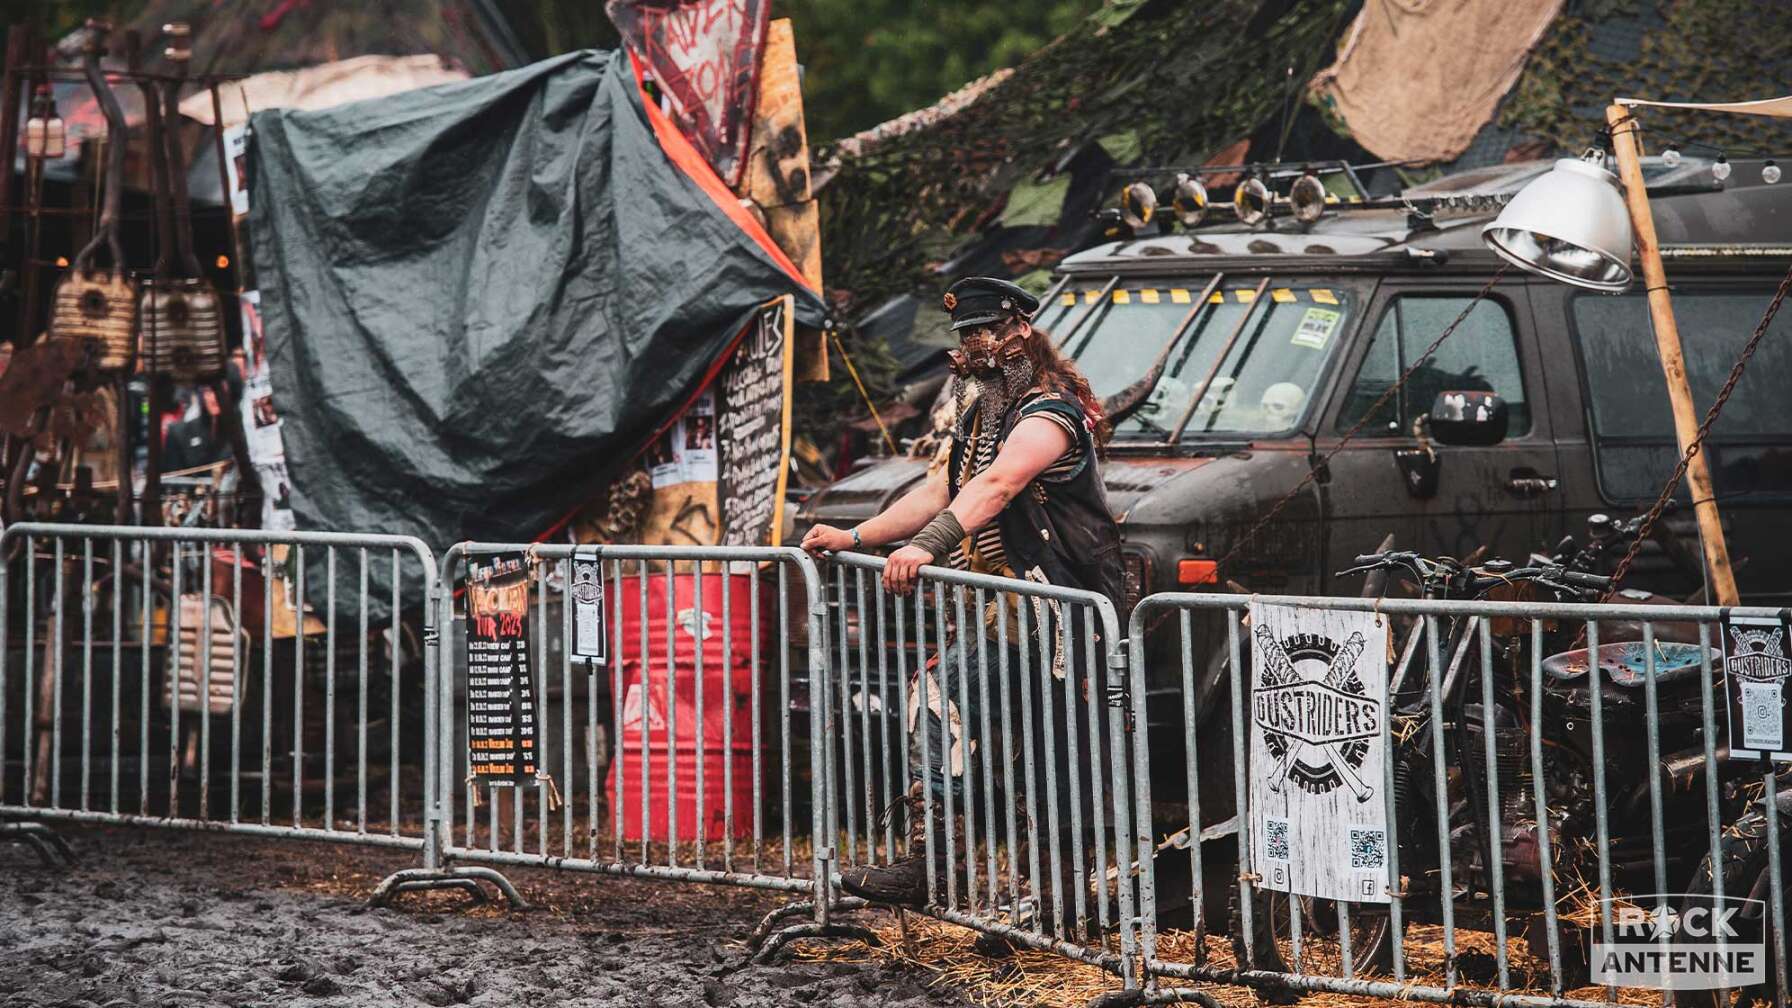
{"points": [[753, 407], [500, 692]]}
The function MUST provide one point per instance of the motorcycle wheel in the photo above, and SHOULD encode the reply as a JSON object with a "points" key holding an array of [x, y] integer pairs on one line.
{"points": [[1743, 848], [1371, 933]]}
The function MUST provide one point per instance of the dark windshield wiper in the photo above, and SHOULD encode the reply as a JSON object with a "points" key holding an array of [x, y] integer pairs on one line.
{"points": [[1125, 402]]}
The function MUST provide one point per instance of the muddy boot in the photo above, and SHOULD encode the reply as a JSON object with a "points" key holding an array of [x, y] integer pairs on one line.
{"points": [[903, 882]]}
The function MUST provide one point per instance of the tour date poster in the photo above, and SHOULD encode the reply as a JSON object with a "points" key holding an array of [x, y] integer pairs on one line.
{"points": [[1318, 710], [501, 712]]}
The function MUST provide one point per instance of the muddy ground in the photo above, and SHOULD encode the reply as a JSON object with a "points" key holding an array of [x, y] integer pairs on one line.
{"points": [[159, 918]]}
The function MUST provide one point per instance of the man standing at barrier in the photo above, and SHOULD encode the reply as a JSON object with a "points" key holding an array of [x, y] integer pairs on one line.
{"points": [[1021, 497]]}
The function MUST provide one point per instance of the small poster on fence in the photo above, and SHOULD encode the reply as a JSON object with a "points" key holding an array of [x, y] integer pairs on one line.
{"points": [[587, 595], [1756, 667], [1318, 708], [501, 716]]}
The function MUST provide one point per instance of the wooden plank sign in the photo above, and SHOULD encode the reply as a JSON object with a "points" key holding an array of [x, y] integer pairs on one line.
{"points": [[753, 407], [1318, 707]]}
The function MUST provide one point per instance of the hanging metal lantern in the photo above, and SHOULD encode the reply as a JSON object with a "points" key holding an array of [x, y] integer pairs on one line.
{"points": [[46, 135]]}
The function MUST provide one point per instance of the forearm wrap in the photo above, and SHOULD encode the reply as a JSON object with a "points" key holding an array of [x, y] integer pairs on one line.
{"points": [[940, 537]]}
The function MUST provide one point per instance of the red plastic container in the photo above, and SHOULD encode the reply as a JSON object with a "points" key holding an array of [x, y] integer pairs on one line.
{"points": [[673, 749]]}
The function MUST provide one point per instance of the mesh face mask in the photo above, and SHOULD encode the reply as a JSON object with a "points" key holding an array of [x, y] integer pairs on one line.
{"points": [[997, 371]]}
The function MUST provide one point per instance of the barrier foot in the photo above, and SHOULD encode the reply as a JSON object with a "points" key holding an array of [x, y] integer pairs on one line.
{"points": [[800, 908], [778, 940], [461, 878], [51, 848], [1161, 996]]}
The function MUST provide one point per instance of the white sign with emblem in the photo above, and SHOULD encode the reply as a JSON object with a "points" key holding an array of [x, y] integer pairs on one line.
{"points": [[587, 593], [1318, 717], [1757, 662]]}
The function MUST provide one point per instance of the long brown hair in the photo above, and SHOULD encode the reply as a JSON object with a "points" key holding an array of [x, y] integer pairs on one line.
{"points": [[1059, 374]]}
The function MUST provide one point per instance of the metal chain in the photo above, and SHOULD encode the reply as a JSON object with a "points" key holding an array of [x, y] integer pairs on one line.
{"points": [[1698, 440], [1318, 467]]}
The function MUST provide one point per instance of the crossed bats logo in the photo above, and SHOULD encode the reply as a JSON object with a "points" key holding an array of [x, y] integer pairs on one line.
{"points": [[1317, 730], [1758, 655]]}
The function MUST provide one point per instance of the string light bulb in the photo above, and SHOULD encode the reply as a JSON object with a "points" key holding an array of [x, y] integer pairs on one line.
{"points": [[1770, 172], [1721, 170], [1671, 157]]}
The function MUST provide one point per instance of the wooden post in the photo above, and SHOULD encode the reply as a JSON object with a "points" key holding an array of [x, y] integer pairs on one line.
{"points": [[1628, 147]]}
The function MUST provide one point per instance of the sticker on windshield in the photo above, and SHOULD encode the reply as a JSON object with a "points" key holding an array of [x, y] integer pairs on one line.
{"points": [[1315, 328]]}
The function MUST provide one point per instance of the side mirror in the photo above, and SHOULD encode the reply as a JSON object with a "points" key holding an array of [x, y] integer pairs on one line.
{"points": [[1471, 419]]}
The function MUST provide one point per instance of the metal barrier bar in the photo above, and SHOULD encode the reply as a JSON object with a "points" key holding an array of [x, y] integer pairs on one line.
{"points": [[1487, 670], [1038, 854], [180, 639], [663, 817]]}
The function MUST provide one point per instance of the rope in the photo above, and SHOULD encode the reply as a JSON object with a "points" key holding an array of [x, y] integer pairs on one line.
{"points": [[1698, 439], [1356, 428], [863, 394]]}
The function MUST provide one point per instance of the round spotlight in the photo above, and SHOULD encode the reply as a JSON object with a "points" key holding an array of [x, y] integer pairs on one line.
{"points": [[1671, 157], [1721, 170], [1307, 197], [1251, 201], [1138, 204], [1770, 172], [1569, 224], [1189, 200]]}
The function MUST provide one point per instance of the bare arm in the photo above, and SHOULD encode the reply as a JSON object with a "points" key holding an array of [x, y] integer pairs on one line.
{"points": [[910, 514], [1034, 444]]}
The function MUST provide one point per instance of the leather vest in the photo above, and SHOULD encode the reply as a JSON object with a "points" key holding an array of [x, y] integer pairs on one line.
{"points": [[1062, 529]]}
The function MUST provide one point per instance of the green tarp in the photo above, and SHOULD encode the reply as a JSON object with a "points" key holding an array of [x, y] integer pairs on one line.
{"points": [[481, 298]]}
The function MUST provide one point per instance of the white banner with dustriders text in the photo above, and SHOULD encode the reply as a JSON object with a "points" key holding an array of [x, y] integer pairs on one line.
{"points": [[1318, 717]]}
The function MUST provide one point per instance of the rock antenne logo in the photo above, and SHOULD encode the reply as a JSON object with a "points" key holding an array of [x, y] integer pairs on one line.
{"points": [[1315, 712]]}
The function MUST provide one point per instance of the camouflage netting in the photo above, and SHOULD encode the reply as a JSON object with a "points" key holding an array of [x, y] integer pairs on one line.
{"points": [[1152, 81], [1161, 82], [1672, 50]]}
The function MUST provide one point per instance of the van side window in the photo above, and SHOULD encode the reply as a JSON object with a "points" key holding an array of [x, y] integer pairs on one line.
{"points": [[1481, 355], [1633, 430]]}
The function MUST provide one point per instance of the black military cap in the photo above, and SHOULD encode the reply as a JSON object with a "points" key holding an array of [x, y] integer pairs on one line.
{"points": [[976, 301]]}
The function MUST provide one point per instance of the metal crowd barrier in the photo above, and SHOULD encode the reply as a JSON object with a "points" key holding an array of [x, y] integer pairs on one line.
{"points": [[675, 756], [1022, 683], [1495, 923], [142, 682], [717, 736]]}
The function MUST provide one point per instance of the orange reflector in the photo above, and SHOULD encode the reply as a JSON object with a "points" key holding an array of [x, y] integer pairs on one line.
{"points": [[62, 261], [1192, 572], [223, 262]]}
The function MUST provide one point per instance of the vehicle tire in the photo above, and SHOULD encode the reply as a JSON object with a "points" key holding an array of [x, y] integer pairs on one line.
{"points": [[1257, 948], [1743, 848]]}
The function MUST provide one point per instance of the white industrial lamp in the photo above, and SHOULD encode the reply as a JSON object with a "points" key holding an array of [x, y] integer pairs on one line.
{"points": [[1570, 225]]}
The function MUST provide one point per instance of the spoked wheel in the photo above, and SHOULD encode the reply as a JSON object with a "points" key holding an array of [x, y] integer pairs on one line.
{"points": [[1745, 874], [1271, 935]]}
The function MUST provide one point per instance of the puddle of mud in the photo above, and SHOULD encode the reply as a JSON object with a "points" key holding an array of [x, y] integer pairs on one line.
{"points": [[162, 918]]}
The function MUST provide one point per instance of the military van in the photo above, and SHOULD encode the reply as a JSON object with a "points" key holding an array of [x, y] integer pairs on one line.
{"points": [[1276, 338]]}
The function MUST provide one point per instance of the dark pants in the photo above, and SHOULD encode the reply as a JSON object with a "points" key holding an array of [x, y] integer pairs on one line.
{"points": [[1009, 748]]}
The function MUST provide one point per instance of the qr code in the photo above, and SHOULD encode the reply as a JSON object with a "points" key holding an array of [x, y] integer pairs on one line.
{"points": [[1275, 839], [1368, 848]]}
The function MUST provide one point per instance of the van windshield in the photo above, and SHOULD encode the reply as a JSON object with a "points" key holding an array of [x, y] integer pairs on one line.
{"points": [[1274, 348]]}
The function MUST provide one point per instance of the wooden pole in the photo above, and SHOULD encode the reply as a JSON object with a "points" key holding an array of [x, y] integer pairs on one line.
{"points": [[1628, 147]]}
